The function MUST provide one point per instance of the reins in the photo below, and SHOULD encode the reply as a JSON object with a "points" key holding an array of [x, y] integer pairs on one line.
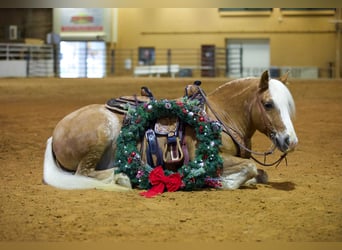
{"points": [[227, 129]]}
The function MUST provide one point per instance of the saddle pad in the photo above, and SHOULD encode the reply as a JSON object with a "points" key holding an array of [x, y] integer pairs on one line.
{"points": [[122, 103], [133, 99]]}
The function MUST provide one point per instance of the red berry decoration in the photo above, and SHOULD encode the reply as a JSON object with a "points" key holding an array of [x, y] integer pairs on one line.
{"points": [[180, 104], [129, 160]]}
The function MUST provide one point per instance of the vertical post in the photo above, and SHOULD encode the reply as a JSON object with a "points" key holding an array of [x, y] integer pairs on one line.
{"points": [[241, 63], [29, 57], [227, 64], [86, 61], [112, 62], [7, 52], [338, 43], [114, 37], [169, 62], [55, 59]]}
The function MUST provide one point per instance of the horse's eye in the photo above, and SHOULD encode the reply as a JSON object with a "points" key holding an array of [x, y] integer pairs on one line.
{"points": [[268, 105]]}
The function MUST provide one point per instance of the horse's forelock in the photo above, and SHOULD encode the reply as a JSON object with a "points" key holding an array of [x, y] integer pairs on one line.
{"points": [[282, 96]]}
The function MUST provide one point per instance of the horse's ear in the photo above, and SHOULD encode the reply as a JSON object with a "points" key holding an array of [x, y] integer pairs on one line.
{"points": [[263, 85], [284, 77]]}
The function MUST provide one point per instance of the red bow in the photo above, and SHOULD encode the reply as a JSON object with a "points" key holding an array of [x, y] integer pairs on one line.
{"points": [[159, 181]]}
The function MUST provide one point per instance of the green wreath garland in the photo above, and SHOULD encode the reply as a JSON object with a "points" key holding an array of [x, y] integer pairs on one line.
{"points": [[203, 170]]}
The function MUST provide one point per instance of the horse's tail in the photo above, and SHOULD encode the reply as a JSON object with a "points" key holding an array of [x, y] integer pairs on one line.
{"points": [[55, 176]]}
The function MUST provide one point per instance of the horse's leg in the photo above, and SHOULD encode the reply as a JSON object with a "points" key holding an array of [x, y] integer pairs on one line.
{"points": [[56, 177], [84, 142], [261, 178], [98, 164], [109, 181], [236, 172]]}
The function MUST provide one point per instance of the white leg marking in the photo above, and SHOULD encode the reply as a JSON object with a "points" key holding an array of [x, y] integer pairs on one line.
{"points": [[234, 181]]}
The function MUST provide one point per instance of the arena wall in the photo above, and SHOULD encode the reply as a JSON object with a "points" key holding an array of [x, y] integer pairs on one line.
{"points": [[295, 40]]}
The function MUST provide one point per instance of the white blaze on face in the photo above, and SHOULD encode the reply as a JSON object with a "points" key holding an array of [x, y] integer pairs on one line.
{"points": [[283, 100]]}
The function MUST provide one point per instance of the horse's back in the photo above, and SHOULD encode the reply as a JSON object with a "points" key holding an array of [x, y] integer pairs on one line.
{"points": [[83, 133]]}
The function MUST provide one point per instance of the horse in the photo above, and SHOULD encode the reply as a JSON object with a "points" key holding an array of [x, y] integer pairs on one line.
{"points": [[80, 152]]}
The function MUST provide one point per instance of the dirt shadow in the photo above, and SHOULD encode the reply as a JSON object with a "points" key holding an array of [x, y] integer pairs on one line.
{"points": [[284, 186]]}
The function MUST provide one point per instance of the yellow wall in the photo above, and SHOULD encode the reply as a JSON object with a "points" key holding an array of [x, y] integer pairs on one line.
{"points": [[294, 40]]}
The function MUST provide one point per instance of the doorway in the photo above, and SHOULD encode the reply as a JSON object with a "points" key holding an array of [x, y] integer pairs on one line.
{"points": [[82, 59], [208, 60], [247, 57]]}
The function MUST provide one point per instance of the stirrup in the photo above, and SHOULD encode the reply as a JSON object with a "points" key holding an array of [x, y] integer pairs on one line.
{"points": [[173, 152]]}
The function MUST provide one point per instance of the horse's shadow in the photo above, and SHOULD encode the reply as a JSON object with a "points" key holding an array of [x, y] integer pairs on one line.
{"points": [[284, 186]]}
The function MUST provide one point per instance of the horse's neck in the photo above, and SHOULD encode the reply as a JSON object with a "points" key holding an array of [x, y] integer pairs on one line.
{"points": [[231, 103]]}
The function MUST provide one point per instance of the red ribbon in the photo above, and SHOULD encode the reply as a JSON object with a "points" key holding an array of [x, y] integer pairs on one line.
{"points": [[160, 181]]}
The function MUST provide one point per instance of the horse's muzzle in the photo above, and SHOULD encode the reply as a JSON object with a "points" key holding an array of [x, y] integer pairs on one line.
{"points": [[284, 142]]}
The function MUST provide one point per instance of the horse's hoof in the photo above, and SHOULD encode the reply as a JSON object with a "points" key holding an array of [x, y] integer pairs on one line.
{"points": [[262, 177], [123, 180]]}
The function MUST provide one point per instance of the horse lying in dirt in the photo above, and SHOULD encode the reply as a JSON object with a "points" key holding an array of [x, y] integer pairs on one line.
{"points": [[82, 150]]}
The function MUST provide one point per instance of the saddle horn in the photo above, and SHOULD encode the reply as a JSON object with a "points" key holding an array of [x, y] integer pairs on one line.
{"points": [[197, 83], [192, 89], [145, 91]]}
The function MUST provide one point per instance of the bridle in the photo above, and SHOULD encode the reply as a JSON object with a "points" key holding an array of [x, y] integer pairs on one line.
{"points": [[231, 131]]}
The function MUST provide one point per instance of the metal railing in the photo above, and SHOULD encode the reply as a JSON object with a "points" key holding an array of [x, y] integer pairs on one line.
{"points": [[123, 61], [28, 60], [24, 60]]}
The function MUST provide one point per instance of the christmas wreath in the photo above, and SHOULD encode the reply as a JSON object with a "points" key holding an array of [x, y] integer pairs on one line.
{"points": [[201, 171]]}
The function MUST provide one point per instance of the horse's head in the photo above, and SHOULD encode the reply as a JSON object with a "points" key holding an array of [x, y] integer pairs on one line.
{"points": [[273, 110]]}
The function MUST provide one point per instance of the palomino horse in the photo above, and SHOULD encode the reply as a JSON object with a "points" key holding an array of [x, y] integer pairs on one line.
{"points": [[80, 153]]}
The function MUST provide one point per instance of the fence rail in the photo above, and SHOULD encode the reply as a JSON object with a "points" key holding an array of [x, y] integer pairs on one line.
{"points": [[23, 60], [124, 61]]}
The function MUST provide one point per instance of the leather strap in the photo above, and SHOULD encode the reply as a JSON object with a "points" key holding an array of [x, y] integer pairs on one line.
{"points": [[153, 152]]}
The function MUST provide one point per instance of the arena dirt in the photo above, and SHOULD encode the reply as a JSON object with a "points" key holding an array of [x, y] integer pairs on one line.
{"points": [[302, 202]]}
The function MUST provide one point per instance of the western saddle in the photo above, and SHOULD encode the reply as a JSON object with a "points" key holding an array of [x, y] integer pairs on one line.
{"points": [[174, 153]]}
